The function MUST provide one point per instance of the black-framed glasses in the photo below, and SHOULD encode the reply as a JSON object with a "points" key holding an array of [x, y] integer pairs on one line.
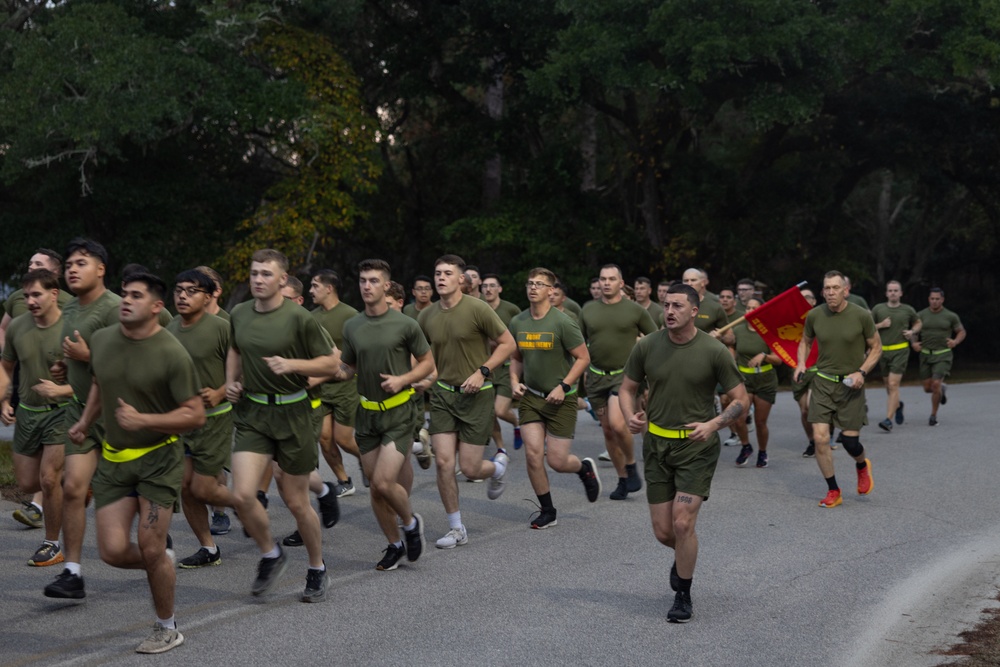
{"points": [[532, 284], [190, 291]]}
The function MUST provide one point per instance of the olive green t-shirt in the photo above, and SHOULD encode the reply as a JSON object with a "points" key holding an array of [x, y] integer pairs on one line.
{"points": [[710, 315], [570, 314], [612, 329], [460, 336], [101, 312], [840, 336], [153, 375], [655, 311], [506, 311], [381, 344], [858, 300], [288, 331], [937, 328], [207, 341], [748, 344], [35, 349], [573, 307], [410, 310], [222, 314], [15, 305], [333, 320], [901, 317], [682, 378], [544, 347]]}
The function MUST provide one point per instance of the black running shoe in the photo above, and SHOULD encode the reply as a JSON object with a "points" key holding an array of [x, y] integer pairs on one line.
{"points": [[591, 481], [899, 413], [202, 558], [682, 611], [67, 586], [675, 579], [944, 393], [546, 519], [745, 452], [932, 421], [885, 425], [293, 540], [414, 539], [390, 561], [621, 492], [810, 451], [633, 481], [329, 507], [316, 583], [269, 570]]}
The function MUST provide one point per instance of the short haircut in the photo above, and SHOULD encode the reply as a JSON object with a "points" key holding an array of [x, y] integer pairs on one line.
{"points": [[295, 284], [47, 279], [688, 291], [211, 273], [88, 247], [329, 278], [835, 274], [453, 260], [666, 282], [271, 255], [487, 276], [559, 286], [936, 290], [542, 271], [375, 265], [472, 267], [395, 291], [51, 254], [727, 289], [615, 267], [629, 292], [199, 278], [643, 280], [746, 281], [422, 279], [894, 282], [595, 279], [131, 268], [153, 283]]}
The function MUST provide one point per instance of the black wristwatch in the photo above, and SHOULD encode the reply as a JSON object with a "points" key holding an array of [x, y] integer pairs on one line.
{"points": [[863, 374], [485, 371], [565, 387]]}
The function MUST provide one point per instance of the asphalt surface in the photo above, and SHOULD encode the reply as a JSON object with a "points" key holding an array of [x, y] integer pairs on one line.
{"points": [[882, 580]]}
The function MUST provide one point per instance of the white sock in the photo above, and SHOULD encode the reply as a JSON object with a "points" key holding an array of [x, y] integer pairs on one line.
{"points": [[455, 520], [36, 506], [418, 447], [318, 569], [411, 525], [273, 553], [398, 545], [168, 622], [54, 543], [326, 490], [500, 468], [210, 549], [74, 568]]}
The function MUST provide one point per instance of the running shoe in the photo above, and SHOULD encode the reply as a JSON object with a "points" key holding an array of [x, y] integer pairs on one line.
{"points": [[67, 586], [604, 456], [425, 456], [498, 484], [263, 500], [364, 479], [269, 570], [944, 393], [682, 610], [590, 410], [29, 515], [221, 524], [161, 640], [744, 456], [201, 558], [47, 554], [455, 537], [865, 480], [761, 459], [810, 451], [591, 480], [293, 540], [390, 561], [885, 425], [546, 519], [329, 506], [732, 441], [316, 583], [833, 498], [632, 480], [414, 539], [621, 491], [899, 413], [675, 579], [342, 489], [932, 421], [518, 441]]}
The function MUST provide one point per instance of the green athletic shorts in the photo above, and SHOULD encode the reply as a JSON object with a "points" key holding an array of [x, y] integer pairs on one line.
{"points": [[799, 389], [937, 366], [156, 476], [601, 387], [501, 380], [374, 428], [36, 427], [894, 361], [283, 432], [762, 385], [836, 403], [675, 466], [95, 434], [559, 420], [341, 399], [469, 415], [210, 447]]}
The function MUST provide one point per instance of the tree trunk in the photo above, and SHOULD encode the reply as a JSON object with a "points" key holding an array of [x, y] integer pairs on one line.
{"points": [[492, 177]]}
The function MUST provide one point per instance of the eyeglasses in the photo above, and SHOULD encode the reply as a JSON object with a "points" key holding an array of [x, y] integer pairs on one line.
{"points": [[531, 284], [190, 291], [421, 289]]}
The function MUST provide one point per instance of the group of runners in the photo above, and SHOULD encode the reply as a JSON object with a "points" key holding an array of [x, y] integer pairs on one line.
{"points": [[113, 396]]}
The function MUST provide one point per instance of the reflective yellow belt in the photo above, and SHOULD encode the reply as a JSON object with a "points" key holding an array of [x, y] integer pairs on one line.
{"points": [[278, 399], [673, 434], [897, 346], [41, 408], [598, 371], [545, 394], [389, 403], [458, 389], [125, 455], [753, 371], [934, 352], [831, 378], [220, 409]]}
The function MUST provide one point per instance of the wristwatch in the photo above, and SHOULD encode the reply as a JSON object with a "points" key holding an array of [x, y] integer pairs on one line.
{"points": [[485, 371], [863, 374], [565, 387]]}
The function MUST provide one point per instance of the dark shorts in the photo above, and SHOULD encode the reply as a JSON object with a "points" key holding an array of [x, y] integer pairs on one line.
{"points": [[601, 387], [799, 389], [762, 385], [156, 476], [374, 428], [95, 434], [469, 415], [37, 427], [937, 366], [559, 420], [341, 400], [283, 432], [837, 404], [675, 466], [501, 381], [894, 361], [210, 447]]}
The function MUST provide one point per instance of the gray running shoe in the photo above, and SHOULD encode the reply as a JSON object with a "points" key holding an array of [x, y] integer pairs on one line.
{"points": [[316, 584], [161, 640], [269, 570], [29, 515]]}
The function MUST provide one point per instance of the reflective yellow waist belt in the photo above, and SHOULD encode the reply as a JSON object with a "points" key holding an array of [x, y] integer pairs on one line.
{"points": [[753, 371], [831, 378], [897, 346], [41, 408], [277, 399], [124, 455], [598, 371], [935, 352], [220, 409], [389, 403], [455, 388], [673, 434]]}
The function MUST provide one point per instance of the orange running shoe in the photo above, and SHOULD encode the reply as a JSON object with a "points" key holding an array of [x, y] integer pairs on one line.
{"points": [[833, 498], [865, 481]]}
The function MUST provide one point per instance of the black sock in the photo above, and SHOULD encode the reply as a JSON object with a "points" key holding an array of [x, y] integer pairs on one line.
{"points": [[831, 483], [684, 585], [860, 466], [630, 469], [812, 442], [584, 469], [545, 500]]}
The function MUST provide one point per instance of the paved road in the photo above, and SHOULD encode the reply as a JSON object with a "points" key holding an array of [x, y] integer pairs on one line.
{"points": [[881, 580]]}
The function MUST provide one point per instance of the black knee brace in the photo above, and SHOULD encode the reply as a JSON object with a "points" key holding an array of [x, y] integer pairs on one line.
{"points": [[852, 444]]}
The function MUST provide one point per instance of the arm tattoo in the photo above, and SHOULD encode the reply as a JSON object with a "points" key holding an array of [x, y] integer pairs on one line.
{"points": [[731, 413]]}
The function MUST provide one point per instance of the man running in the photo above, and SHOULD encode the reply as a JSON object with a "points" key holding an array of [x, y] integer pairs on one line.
{"points": [[941, 332], [505, 310], [643, 288], [897, 323], [422, 292]]}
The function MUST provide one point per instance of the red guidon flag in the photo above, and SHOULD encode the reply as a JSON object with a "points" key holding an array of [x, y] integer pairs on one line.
{"points": [[780, 323]]}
